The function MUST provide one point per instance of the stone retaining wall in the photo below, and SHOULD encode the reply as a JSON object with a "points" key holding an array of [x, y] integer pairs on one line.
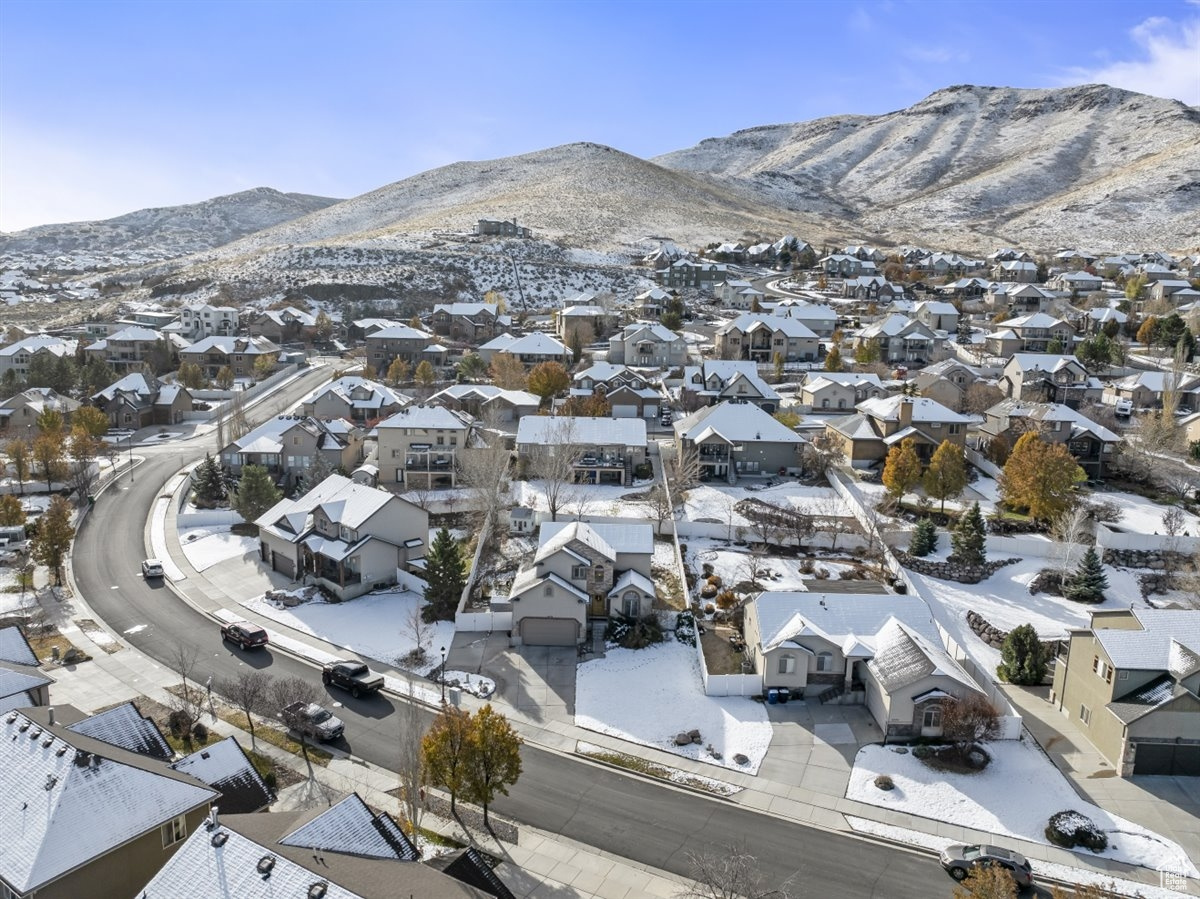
{"points": [[1154, 559], [994, 637], [952, 571]]}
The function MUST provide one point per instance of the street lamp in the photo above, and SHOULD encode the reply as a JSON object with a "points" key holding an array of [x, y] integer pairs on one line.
{"points": [[443, 678], [131, 458]]}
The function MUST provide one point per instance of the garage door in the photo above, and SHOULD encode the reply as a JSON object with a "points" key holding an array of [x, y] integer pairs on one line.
{"points": [[283, 564], [1167, 758], [549, 631], [624, 411]]}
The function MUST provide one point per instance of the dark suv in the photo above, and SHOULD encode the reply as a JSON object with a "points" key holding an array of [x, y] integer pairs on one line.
{"points": [[244, 634], [959, 861]]}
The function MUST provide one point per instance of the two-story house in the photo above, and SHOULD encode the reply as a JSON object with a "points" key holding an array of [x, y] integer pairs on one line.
{"points": [[581, 571], [938, 315], [387, 345], [817, 317], [651, 304], [198, 322], [131, 348], [734, 293], [282, 325], [1049, 378], [686, 273], [530, 349], [1130, 681], [287, 446], [501, 228], [345, 537], [582, 324], [946, 382], [472, 323], [487, 402], [1075, 284], [884, 652], [627, 389], [871, 287], [843, 265], [880, 424], [137, 401], [419, 446], [602, 450], [1019, 299], [1030, 334], [240, 354], [1093, 446], [1018, 271], [1145, 390], [761, 338], [827, 390], [717, 380], [16, 357], [19, 413], [356, 399], [733, 440], [648, 345], [900, 339]]}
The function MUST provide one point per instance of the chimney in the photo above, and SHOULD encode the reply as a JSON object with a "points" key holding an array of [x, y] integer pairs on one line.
{"points": [[50, 715], [906, 411]]}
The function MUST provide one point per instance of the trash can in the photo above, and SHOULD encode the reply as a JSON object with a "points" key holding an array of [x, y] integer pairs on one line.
{"points": [[784, 694], [772, 696], [900, 586]]}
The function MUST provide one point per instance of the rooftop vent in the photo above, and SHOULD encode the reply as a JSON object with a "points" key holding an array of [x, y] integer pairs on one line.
{"points": [[24, 726], [11, 719], [220, 838], [51, 780], [265, 865], [318, 890], [62, 750], [37, 732], [48, 742]]}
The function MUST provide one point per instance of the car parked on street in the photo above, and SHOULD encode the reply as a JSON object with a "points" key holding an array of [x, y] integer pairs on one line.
{"points": [[244, 634], [313, 721], [960, 860]]}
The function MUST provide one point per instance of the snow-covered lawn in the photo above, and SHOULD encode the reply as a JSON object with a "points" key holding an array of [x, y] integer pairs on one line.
{"points": [[585, 499], [374, 626], [1144, 516], [1004, 600], [12, 602], [732, 563], [716, 503], [205, 547], [1014, 796], [648, 696]]}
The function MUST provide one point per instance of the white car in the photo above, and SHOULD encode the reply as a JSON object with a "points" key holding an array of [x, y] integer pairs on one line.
{"points": [[152, 568]]}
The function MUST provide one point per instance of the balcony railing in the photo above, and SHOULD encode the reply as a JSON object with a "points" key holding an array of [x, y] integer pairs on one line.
{"points": [[600, 462]]}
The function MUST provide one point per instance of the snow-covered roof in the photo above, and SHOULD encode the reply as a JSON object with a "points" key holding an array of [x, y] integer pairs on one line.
{"points": [[555, 430], [635, 579], [248, 346], [1107, 314], [735, 423], [485, 393], [1154, 381], [124, 726], [15, 648], [134, 332], [344, 501], [805, 311], [1149, 648], [350, 827], [1054, 412], [400, 332], [529, 345], [896, 325], [56, 345], [936, 307], [751, 321], [427, 417], [20, 679], [608, 539], [76, 806], [784, 616], [887, 408], [1048, 362], [1034, 320], [904, 655], [467, 309], [360, 393], [224, 766], [845, 378], [647, 331]]}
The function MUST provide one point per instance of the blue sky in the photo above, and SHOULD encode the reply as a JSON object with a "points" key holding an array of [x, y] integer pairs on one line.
{"points": [[108, 107]]}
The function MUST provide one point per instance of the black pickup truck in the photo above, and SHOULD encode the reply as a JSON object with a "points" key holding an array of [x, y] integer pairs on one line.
{"points": [[353, 676]]}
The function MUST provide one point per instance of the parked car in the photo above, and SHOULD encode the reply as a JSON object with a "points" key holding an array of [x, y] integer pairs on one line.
{"points": [[959, 861], [313, 721], [244, 634], [151, 568], [353, 676]]}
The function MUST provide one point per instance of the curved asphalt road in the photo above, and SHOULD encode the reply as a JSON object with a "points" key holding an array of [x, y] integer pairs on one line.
{"points": [[621, 814]]}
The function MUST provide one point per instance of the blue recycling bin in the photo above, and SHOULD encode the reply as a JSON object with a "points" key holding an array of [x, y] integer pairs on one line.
{"points": [[772, 696]]}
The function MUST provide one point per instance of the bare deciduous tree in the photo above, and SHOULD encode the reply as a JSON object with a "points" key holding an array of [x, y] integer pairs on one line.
{"points": [[420, 632], [182, 658], [247, 693], [659, 501], [409, 767], [1173, 520], [1069, 529], [823, 452], [484, 471], [554, 463], [730, 872], [684, 469]]}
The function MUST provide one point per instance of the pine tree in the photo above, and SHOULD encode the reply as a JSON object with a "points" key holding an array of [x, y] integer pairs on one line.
{"points": [[1022, 657], [946, 476], [964, 331], [255, 493], [924, 539], [902, 470], [53, 538], [968, 540], [208, 484], [1089, 582], [444, 577]]}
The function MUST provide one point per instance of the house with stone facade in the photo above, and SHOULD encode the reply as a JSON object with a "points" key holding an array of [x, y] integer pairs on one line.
{"points": [[1093, 445], [288, 445], [718, 380], [647, 345], [900, 339], [472, 323], [582, 571], [879, 424], [138, 401], [734, 440], [345, 537], [238, 353], [131, 348], [359, 400], [761, 338], [881, 651], [627, 389], [1049, 378], [1130, 682]]}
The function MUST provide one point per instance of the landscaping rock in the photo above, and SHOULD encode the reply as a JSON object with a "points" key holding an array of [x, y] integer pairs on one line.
{"points": [[683, 739], [740, 759]]}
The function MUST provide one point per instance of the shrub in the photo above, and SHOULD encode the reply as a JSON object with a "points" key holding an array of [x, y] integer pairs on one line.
{"points": [[200, 732], [715, 580], [807, 566], [726, 599], [709, 608], [179, 723], [685, 628], [708, 591], [1070, 829], [822, 573], [707, 567], [884, 782]]}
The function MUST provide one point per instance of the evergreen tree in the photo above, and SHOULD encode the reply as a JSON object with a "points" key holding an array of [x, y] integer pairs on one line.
{"points": [[314, 474], [1022, 657], [1089, 582], [902, 469], [53, 537], [444, 577], [964, 331], [208, 484], [924, 538], [255, 493], [968, 540], [946, 476]]}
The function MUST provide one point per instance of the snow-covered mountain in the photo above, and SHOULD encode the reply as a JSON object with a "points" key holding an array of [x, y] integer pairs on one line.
{"points": [[149, 235], [974, 166]]}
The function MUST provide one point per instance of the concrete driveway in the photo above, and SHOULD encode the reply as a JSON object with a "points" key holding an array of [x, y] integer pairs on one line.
{"points": [[813, 746], [538, 681]]}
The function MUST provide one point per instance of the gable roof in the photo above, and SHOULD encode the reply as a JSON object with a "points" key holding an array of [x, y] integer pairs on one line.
{"points": [[887, 408], [735, 423], [248, 346], [427, 417], [125, 726], [15, 648], [607, 539], [224, 766], [344, 501], [785, 615], [556, 430], [351, 828], [749, 321], [903, 656], [530, 344], [77, 806], [371, 394], [1150, 647], [400, 332]]}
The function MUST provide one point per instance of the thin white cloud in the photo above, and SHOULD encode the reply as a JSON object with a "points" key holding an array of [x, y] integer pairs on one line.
{"points": [[1167, 64], [936, 55]]}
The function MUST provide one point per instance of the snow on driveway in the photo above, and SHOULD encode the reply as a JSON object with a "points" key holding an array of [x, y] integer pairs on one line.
{"points": [[205, 547], [648, 696], [374, 626], [988, 801]]}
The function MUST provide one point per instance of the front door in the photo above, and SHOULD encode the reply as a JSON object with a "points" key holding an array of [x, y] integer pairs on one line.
{"points": [[931, 721], [598, 607]]}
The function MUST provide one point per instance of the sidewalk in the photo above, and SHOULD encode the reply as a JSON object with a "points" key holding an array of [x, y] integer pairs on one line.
{"points": [[814, 797]]}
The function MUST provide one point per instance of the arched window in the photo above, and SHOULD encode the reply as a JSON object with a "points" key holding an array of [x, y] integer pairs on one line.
{"points": [[631, 603]]}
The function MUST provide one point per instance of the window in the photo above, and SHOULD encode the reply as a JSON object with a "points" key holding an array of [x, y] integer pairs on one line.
{"points": [[824, 661], [825, 404], [1085, 715], [787, 664], [1103, 669], [548, 590], [579, 572], [932, 717], [174, 831]]}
